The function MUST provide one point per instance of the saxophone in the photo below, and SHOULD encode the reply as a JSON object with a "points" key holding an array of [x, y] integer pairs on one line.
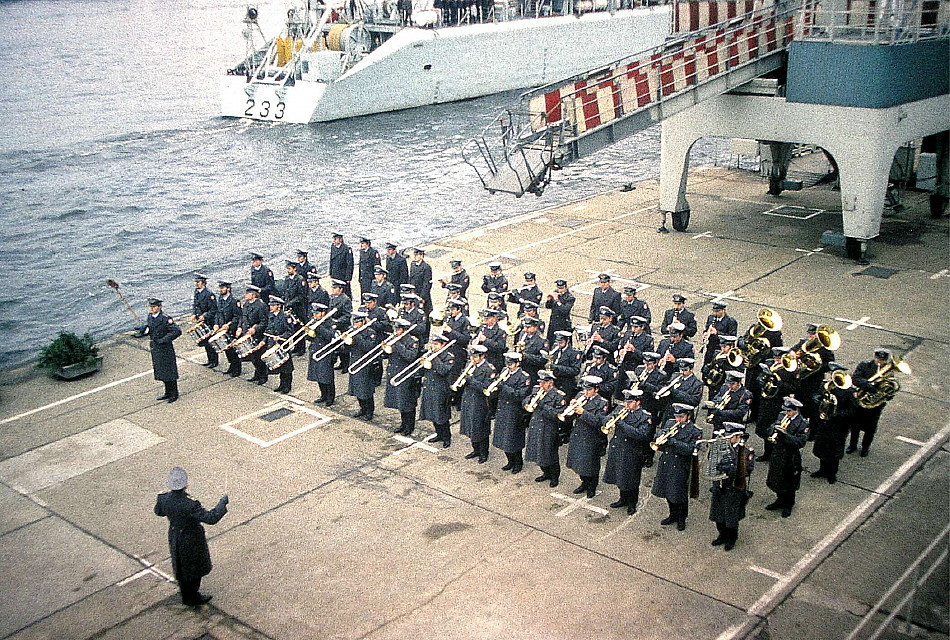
{"points": [[535, 401]]}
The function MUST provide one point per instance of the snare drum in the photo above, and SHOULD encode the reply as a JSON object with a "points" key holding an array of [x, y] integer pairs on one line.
{"points": [[245, 346], [221, 340], [275, 357], [199, 332]]}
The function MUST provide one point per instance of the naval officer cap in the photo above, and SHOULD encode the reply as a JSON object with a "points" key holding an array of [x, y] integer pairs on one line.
{"points": [[563, 335], [224, 283], [252, 288], [720, 305], [494, 295], [531, 322], [301, 253], [732, 428], [256, 256], [790, 404], [313, 276], [639, 321], [419, 251], [407, 288], [318, 306], [379, 269], [369, 295], [513, 356], [728, 339], [680, 409], [451, 286], [882, 354], [455, 263], [364, 239], [494, 313], [477, 349], [684, 363], [274, 300], [836, 366], [778, 352], [529, 305], [338, 235], [604, 277], [401, 323], [632, 394], [457, 302], [390, 245], [679, 297], [811, 327], [650, 356], [606, 311], [494, 266], [677, 328], [177, 479], [734, 376], [337, 283], [154, 302], [529, 276], [439, 338], [291, 263], [629, 290], [560, 283], [359, 314], [201, 277], [599, 352], [408, 297], [590, 382], [544, 374]]}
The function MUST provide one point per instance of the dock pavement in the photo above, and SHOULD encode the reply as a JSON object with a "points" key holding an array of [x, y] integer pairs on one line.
{"points": [[339, 529]]}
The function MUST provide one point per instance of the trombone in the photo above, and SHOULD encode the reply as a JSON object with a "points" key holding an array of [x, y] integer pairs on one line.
{"points": [[308, 330], [344, 338], [422, 362], [386, 346]]}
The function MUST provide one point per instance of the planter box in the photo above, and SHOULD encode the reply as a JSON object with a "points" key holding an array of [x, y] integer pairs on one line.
{"points": [[74, 371]]}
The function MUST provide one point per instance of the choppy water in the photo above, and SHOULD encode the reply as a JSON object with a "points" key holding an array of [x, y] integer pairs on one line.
{"points": [[114, 164]]}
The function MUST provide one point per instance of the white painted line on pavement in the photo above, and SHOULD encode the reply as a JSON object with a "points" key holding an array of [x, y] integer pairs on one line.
{"points": [[628, 520], [767, 572], [863, 322], [916, 443], [576, 503], [704, 234], [771, 599], [943, 273], [75, 397], [413, 444], [273, 406]]}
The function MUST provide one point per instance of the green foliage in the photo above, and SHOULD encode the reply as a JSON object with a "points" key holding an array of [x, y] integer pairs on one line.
{"points": [[67, 349]]}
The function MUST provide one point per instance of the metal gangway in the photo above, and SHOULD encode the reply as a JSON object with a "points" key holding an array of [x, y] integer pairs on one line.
{"points": [[571, 118]]}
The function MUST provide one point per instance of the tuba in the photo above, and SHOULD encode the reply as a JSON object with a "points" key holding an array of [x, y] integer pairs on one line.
{"points": [[809, 361], [715, 373], [755, 346], [828, 404], [773, 383], [884, 385]]}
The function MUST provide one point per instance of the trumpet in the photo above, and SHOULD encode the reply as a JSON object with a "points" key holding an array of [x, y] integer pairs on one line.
{"points": [[576, 403], [496, 383], [668, 389], [719, 406], [614, 420], [535, 400], [422, 362], [344, 338], [386, 346], [463, 377], [781, 427], [663, 438]]}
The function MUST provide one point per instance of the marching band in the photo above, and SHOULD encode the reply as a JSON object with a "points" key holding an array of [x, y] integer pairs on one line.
{"points": [[608, 389]]}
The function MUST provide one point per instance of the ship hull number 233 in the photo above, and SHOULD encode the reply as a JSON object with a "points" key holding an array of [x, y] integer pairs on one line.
{"points": [[265, 109]]}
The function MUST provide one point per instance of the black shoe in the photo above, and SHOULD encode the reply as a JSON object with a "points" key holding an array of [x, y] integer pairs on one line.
{"points": [[436, 439], [542, 478], [786, 512], [850, 449], [864, 453], [581, 489], [508, 467], [233, 374], [202, 599], [775, 506], [473, 454], [680, 526], [368, 417], [591, 492], [482, 459], [618, 504], [554, 482], [818, 474], [718, 541], [360, 414], [319, 400], [762, 459], [832, 479], [729, 546], [261, 381], [446, 444], [162, 397], [172, 398], [631, 510], [516, 469], [668, 520], [399, 430], [406, 432], [209, 365]]}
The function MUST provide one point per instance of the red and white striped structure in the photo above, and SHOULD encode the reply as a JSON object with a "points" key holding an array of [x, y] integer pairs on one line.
{"points": [[597, 98]]}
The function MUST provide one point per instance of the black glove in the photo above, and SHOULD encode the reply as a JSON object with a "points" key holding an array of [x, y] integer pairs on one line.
{"points": [[140, 332]]}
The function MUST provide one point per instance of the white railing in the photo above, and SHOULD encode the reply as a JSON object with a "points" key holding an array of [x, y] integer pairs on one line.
{"points": [[891, 22]]}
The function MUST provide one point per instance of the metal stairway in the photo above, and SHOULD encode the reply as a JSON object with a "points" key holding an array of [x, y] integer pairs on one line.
{"points": [[571, 118]]}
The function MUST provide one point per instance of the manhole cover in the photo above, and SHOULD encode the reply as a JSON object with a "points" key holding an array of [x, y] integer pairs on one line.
{"points": [[790, 211], [877, 272], [276, 415], [571, 223], [435, 253]]}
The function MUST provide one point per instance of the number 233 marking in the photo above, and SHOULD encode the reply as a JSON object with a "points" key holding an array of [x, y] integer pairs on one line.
{"points": [[265, 109]]}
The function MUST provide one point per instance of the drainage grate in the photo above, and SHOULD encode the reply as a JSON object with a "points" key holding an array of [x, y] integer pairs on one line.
{"points": [[572, 223], [276, 415], [877, 272], [791, 211]]}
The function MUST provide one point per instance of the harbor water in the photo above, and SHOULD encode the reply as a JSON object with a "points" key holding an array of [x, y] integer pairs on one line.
{"points": [[114, 164]]}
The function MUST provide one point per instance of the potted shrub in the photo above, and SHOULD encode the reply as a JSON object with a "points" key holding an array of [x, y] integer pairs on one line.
{"points": [[69, 356]]}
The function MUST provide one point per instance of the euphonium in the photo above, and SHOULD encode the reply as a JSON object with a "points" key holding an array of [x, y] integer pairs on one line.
{"points": [[756, 346], [463, 377], [535, 400], [665, 437], [809, 361], [612, 422], [716, 372], [828, 404], [512, 329], [885, 386], [773, 382], [734, 358]]}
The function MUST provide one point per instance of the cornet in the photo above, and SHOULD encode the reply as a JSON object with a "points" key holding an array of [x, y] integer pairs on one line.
{"points": [[576, 403], [665, 437], [535, 400], [463, 377]]}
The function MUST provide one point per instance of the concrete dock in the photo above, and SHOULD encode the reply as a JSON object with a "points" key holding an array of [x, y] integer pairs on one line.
{"points": [[339, 529]]}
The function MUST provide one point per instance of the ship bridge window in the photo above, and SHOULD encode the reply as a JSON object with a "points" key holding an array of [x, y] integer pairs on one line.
{"points": [[427, 67]]}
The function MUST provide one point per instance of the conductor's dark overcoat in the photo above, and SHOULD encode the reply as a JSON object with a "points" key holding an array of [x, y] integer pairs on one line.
{"points": [[186, 537], [162, 330]]}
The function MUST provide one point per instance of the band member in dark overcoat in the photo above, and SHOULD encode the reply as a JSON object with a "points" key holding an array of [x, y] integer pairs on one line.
{"points": [[456, 328], [600, 367], [718, 323], [162, 330], [832, 433], [436, 405], [304, 268], [679, 313], [863, 419], [362, 383], [385, 291], [629, 449], [587, 440], [315, 292], [341, 263], [475, 419], [344, 308], [604, 296], [529, 292], [676, 441], [420, 274], [632, 343], [788, 435], [402, 397], [544, 403], [459, 277], [262, 277], [187, 545], [650, 378], [809, 386], [561, 302], [296, 298], [228, 313], [204, 306], [495, 281], [631, 308], [731, 402], [730, 494], [493, 338], [511, 419], [566, 365], [683, 388], [321, 371], [532, 346], [673, 347], [770, 407], [396, 266], [254, 323], [369, 259], [605, 334], [279, 328]]}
